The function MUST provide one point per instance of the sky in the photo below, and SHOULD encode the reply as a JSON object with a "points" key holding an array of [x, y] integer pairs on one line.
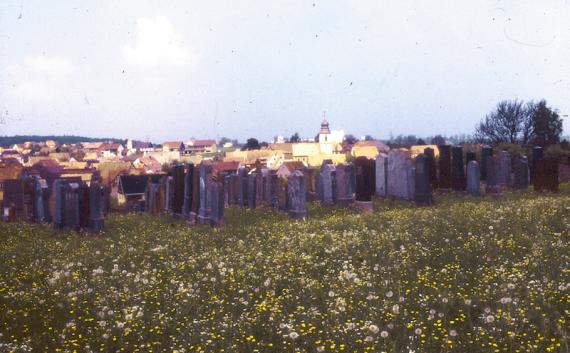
{"points": [[173, 70]]}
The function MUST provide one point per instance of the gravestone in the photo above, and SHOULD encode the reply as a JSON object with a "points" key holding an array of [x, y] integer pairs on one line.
{"points": [[84, 197], [228, 189], [493, 186], [470, 156], [273, 193], [195, 205], [546, 175], [430, 153], [422, 187], [399, 174], [251, 189], [39, 210], [267, 187], [59, 209], [297, 195], [457, 171], [364, 169], [259, 188], [505, 168], [187, 205], [328, 176], [537, 155], [243, 183], [178, 188], [71, 208], [310, 180], [343, 184], [486, 152], [444, 178], [382, 175], [96, 221], [319, 191], [161, 195], [521, 173], [168, 194], [216, 197], [282, 203], [473, 178], [205, 202]]}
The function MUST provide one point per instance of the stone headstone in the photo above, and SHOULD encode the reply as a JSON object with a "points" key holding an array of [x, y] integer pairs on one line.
{"points": [[444, 178], [486, 152], [228, 189], [71, 211], [319, 190], [216, 196], [96, 204], [365, 170], [187, 204], [382, 175], [473, 178], [537, 153], [310, 180], [259, 188], [470, 156], [521, 173], [493, 186], [39, 210], [328, 175], [546, 175], [251, 190], [195, 205], [505, 168], [243, 185], [296, 195], [282, 200], [178, 188], [343, 184], [84, 197], [273, 192], [59, 209], [169, 194], [457, 171], [422, 187], [430, 153], [205, 201], [399, 174]]}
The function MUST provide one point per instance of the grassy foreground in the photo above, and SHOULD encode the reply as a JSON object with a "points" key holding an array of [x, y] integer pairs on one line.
{"points": [[467, 275]]}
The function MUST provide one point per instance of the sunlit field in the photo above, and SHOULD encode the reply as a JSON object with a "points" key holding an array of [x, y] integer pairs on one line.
{"points": [[467, 275]]}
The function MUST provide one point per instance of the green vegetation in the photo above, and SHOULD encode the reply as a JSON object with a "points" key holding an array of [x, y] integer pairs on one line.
{"points": [[7, 141], [467, 275]]}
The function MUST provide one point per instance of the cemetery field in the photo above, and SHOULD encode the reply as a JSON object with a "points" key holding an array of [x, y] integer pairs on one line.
{"points": [[466, 275]]}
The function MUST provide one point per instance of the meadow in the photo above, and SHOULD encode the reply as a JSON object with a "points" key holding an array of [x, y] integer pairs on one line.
{"points": [[466, 275]]}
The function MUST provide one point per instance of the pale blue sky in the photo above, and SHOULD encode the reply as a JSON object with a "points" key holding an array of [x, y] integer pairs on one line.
{"points": [[168, 70]]}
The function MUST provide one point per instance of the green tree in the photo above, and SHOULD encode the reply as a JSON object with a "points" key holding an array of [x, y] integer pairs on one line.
{"points": [[546, 125], [295, 138], [251, 144]]}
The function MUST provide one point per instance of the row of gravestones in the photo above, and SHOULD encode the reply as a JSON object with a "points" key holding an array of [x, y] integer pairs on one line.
{"points": [[69, 204]]}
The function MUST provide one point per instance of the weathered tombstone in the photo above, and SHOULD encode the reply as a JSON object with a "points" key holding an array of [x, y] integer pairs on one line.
{"points": [[161, 195], [259, 188], [493, 186], [473, 178], [71, 211], [310, 186], [423, 191], [273, 193], [96, 220], [282, 194], [457, 171], [168, 194], [84, 192], [505, 168], [320, 194], [537, 155], [242, 182], [328, 175], [216, 197], [251, 190], [399, 174], [228, 189], [178, 188], [59, 209], [444, 178], [365, 186], [430, 153], [187, 205], [297, 195], [343, 185], [521, 173], [546, 175], [28, 198], [195, 205], [486, 152], [39, 210], [205, 202], [382, 175]]}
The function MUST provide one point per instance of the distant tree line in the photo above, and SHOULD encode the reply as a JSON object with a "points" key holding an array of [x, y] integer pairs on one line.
{"points": [[7, 141]]}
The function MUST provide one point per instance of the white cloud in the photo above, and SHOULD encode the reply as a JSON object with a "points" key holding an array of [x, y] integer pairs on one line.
{"points": [[157, 44], [40, 78]]}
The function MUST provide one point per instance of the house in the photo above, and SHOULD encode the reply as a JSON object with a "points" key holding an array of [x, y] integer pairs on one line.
{"points": [[91, 147], [201, 146], [287, 168], [132, 188], [173, 146], [368, 149], [109, 149]]}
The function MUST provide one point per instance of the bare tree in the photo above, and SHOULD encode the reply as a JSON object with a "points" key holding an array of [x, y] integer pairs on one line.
{"points": [[510, 122]]}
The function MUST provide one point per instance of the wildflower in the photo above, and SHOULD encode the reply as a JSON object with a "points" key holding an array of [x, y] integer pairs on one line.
{"points": [[373, 328], [389, 294], [418, 331], [452, 333], [489, 319], [384, 334], [294, 335]]}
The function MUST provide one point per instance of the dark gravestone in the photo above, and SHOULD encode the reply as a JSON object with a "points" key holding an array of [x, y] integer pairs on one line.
{"points": [[365, 187], [28, 198], [430, 153], [493, 186], [521, 173], [13, 198], [310, 181], [444, 178], [242, 181], [96, 220], [399, 175], [473, 178], [486, 152], [470, 156], [39, 210], [71, 210], [423, 191], [169, 194], [282, 194], [161, 198], [319, 191], [178, 181], [259, 188], [382, 175], [537, 155], [216, 197], [46, 196], [297, 195], [228, 189], [343, 184], [267, 187], [273, 193], [251, 189], [546, 175], [187, 205], [457, 169], [84, 193]]}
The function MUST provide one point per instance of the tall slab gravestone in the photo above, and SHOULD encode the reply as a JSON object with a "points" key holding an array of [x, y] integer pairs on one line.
{"points": [[546, 175], [473, 178], [96, 220], [365, 170], [486, 152], [444, 177], [521, 173], [399, 174], [430, 153], [343, 185], [457, 171], [423, 193], [382, 175], [328, 175], [505, 168], [297, 195], [493, 185]]}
